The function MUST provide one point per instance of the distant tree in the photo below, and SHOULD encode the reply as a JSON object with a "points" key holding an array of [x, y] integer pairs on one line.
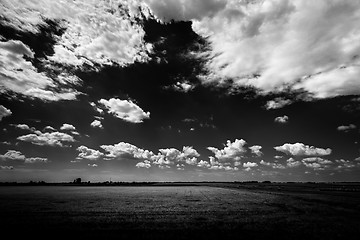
{"points": [[77, 180]]}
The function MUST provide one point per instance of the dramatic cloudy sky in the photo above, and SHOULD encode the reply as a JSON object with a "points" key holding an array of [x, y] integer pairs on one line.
{"points": [[190, 90]]}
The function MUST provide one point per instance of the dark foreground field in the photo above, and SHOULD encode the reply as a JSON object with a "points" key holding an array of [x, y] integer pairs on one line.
{"points": [[217, 211]]}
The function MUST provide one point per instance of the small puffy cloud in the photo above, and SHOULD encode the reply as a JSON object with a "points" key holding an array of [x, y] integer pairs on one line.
{"points": [[262, 162], [144, 164], [183, 87], [344, 164], [300, 149], [6, 168], [4, 112], [316, 163], [23, 127], [203, 164], [292, 163], [99, 110], [189, 152], [250, 164], [92, 165], [88, 153], [274, 165], [36, 160], [189, 120], [123, 149], [180, 166], [232, 150], [277, 103], [216, 165], [126, 110], [67, 126], [49, 128], [96, 124], [346, 128], [256, 149], [12, 155], [283, 119], [278, 157], [47, 139], [207, 125]]}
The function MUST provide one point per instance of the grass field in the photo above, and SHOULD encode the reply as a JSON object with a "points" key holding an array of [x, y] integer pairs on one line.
{"points": [[179, 212]]}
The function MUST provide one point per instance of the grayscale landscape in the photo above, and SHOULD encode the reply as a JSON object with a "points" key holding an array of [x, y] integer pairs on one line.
{"points": [[180, 119], [183, 211]]}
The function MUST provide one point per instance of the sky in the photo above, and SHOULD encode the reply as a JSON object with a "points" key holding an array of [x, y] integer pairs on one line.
{"points": [[190, 90]]}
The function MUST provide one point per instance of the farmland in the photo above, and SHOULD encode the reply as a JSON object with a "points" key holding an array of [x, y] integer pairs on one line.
{"points": [[211, 211]]}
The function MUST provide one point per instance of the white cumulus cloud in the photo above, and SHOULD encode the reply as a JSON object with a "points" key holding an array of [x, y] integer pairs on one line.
{"points": [[88, 153], [22, 126], [123, 149], [67, 126], [256, 149], [6, 167], [292, 163], [144, 164], [13, 155], [126, 110], [231, 151], [316, 163], [274, 165], [36, 160], [282, 119], [300, 149], [47, 139], [346, 128], [96, 124], [276, 45], [277, 103], [18, 75], [95, 31], [4, 112]]}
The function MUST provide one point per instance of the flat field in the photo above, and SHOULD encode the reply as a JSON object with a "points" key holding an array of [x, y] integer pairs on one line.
{"points": [[216, 211]]}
